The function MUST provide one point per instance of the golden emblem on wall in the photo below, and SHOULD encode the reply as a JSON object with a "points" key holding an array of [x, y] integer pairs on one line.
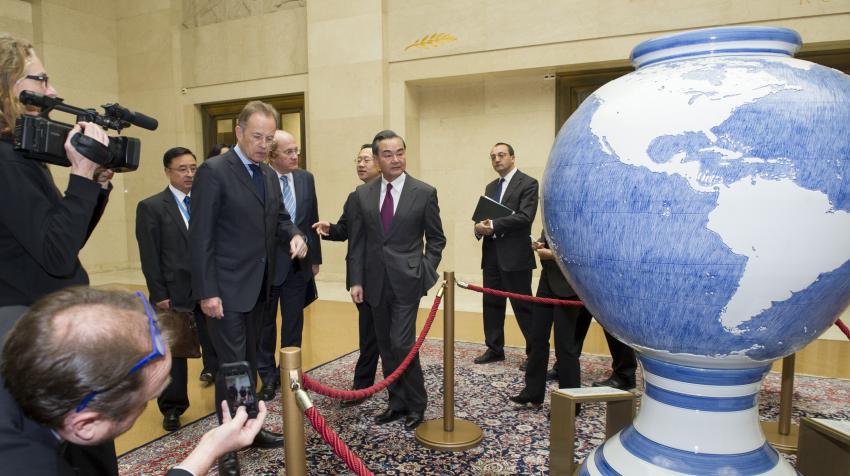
{"points": [[432, 41]]}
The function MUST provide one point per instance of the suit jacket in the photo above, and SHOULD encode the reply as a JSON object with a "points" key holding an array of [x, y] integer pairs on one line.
{"points": [[164, 250], [401, 255], [551, 272], [512, 243], [234, 232], [339, 231], [27, 447], [41, 230], [307, 213]]}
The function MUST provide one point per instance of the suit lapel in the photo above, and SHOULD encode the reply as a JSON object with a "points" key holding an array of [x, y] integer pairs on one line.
{"points": [[300, 183], [405, 202], [242, 175], [373, 192], [513, 185], [171, 208]]}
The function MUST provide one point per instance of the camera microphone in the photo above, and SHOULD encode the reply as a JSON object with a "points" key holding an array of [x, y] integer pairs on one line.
{"points": [[135, 118]]}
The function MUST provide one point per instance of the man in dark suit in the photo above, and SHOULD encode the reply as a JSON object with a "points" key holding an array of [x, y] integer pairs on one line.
{"points": [[392, 268], [162, 231], [367, 361], [294, 284], [72, 375], [237, 220], [571, 324], [507, 258]]}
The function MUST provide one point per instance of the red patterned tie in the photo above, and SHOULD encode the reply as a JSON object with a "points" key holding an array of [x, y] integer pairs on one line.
{"points": [[387, 209]]}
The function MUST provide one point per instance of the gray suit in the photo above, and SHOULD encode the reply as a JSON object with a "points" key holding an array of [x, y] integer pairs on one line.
{"points": [[396, 269]]}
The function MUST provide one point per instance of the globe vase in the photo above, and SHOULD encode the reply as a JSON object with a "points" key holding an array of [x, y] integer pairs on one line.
{"points": [[700, 206]]}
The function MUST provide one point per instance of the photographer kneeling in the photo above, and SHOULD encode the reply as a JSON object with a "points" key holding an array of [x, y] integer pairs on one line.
{"points": [[79, 367], [41, 230]]}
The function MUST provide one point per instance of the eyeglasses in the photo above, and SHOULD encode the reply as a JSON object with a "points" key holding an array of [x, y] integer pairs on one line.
{"points": [[185, 169], [37, 77], [258, 138], [158, 351], [289, 152], [365, 160]]}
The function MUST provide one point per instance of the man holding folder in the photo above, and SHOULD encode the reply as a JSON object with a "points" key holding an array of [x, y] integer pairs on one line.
{"points": [[507, 258]]}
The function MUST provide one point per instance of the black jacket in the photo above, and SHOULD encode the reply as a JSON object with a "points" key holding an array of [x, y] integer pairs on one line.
{"points": [[42, 231]]}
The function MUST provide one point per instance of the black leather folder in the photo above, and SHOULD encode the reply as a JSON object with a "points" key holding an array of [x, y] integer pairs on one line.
{"points": [[488, 209]]}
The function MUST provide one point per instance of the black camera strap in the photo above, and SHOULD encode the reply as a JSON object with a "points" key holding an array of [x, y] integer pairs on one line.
{"points": [[91, 148]]}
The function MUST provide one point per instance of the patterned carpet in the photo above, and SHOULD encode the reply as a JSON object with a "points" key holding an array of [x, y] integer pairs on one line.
{"points": [[515, 441]]}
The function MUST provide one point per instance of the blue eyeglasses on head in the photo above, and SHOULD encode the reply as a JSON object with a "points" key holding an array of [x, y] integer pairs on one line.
{"points": [[158, 351]]}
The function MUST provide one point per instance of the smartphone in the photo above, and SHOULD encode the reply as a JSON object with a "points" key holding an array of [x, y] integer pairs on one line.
{"points": [[239, 388]]}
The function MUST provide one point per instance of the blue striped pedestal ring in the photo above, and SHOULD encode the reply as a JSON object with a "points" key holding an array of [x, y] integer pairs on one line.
{"points": [[692, 421]]}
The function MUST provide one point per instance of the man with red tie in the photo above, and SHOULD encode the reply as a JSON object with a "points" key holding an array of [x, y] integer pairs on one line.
{"points": [[396, 246]]}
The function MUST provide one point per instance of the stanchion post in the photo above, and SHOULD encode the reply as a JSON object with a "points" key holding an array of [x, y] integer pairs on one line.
{"points": [[786, 394], [448, 433], [449, 352], [293, 419], [781, 433]]}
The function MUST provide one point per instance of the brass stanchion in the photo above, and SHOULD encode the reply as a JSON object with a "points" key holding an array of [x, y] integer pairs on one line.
{"points": [[781, 433], [293, 418], [449, 433]]}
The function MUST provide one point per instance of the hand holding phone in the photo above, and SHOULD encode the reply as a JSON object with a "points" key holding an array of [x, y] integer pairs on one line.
{"points": [[239, 387]]}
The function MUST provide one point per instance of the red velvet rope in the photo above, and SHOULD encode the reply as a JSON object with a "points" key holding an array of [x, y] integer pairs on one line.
{"points": [[317, 387], [524, 297], [841, 325], [342, 450], [564, 302]]}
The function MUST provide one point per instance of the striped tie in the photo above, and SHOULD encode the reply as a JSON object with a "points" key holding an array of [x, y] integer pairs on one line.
{"points": [[288, 197]]}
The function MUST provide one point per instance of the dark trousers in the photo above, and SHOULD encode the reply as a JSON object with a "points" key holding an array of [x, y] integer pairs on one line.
{"points": [[494, 306], [623, 361], [291, 294], [367, 362], [234, 337], [395, 330], [175, 396], [571, 325]]}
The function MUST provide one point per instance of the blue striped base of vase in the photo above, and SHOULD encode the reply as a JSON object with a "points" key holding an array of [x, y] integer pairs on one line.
{"points": [[692, 421]]}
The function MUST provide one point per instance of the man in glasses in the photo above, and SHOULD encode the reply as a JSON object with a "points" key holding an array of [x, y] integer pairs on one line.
{"points": [[162, 232], [367, 362], [506, 255], [293, 283], [79, 368], [238, 218]]}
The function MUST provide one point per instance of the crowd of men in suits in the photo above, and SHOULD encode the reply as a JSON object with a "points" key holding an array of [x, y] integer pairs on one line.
{"points": [[234, 239]]}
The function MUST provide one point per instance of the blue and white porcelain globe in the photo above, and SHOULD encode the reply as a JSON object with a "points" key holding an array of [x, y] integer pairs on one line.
{"points": [[700, 206]]}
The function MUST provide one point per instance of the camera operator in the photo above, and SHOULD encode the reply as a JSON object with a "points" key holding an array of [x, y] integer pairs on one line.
{"points": [[41, 230], [79, 368]]}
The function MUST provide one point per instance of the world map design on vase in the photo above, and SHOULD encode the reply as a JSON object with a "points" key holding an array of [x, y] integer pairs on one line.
{"points": [[680, 207]]}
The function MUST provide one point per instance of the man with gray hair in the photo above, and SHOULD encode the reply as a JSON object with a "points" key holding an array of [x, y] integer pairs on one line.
{"points": [[79, 368], [238, 218]]}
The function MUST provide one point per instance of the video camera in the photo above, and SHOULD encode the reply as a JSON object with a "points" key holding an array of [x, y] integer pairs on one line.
{"points": [[43, 139]]}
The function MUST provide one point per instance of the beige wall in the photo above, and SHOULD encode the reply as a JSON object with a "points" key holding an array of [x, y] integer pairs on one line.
{"points": [[458, 124], [353, 62]]}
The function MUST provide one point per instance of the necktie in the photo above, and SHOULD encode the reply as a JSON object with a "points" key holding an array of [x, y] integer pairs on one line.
{"points": [[288, 197], [188, 203], [387, 209], [257, 178], [497, 195]]}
